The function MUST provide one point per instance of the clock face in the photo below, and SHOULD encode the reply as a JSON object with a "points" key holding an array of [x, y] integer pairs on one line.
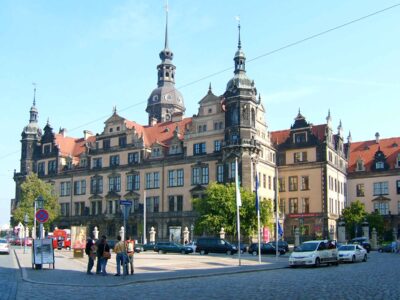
{"points": [[168, 97]]}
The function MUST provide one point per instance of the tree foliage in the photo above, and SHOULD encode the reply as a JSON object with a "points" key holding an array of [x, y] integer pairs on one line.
{"points": [[218, 209], [353, 216], [31, 189], [375, 220]]}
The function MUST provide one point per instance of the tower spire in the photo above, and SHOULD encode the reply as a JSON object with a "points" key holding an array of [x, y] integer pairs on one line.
{"points": [[166, 26], [34, 93], [239, 41]]}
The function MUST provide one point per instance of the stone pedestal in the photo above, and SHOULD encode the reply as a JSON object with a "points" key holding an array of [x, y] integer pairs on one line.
{"points": [[365, 229], [341, 232], [222, 233], [296, 237], [186, 235], [152, 235], [122, 233], [394, 234], [96, 233], [374, 239]]}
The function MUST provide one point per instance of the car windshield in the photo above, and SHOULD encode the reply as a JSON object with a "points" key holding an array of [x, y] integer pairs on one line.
{"points": [[306, 247], [3, 242], [346, 248]]}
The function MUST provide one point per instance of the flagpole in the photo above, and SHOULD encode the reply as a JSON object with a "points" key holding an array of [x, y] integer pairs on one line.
{"points": [[258, 218], [144, 218], [276, 211], [238, 204]]}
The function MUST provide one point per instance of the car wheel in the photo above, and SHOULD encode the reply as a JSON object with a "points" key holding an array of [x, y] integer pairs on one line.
{"points": [[202, 252], [160, 252], [254, 253], [353, 259], [365, 258], [183, 252], [317, 262], [229, 252]]}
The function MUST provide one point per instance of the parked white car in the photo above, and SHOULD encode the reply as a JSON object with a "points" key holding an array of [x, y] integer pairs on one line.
{"points": [[352, 253], [192, 245], [314, 253], [4, 246]]}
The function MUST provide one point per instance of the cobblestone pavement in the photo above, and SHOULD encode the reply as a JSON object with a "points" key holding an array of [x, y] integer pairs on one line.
{"points": [[9, 274], [375, 279]]}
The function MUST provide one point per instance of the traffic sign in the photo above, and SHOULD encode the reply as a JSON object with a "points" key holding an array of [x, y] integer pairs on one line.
{"points": [[125, 202], [42, 215]]}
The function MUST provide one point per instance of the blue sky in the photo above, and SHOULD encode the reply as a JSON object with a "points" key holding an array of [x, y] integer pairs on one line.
{"points": [[88, 56]]}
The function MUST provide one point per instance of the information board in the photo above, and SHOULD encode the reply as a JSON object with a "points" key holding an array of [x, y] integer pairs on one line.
{"points": [[43, 252]]}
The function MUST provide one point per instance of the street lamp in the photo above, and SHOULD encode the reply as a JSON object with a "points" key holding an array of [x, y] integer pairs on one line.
{"points": [[26, 220]]}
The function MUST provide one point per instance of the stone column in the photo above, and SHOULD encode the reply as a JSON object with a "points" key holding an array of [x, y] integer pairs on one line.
{"points": [[152, 235], [26, 231], [341, 232], [296, 237], [222, 233], [365, 229], [186, 235], [374, 239]]}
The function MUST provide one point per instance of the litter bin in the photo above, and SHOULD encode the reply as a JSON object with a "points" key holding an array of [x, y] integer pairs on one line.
{"points": [[78, 253]]}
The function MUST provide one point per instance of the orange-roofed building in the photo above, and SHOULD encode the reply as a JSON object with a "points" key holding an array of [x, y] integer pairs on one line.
{"points": [[312, 163], [374, 179]]}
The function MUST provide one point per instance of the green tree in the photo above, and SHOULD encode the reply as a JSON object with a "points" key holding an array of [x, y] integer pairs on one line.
{"points": [[375, 220], [218, 209], [353, 216], [32, 188]]}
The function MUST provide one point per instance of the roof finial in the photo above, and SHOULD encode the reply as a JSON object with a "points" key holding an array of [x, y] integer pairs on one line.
{"points": [[166, 26], [114, 109], [209, 87], [34, 93], [239, 42]]}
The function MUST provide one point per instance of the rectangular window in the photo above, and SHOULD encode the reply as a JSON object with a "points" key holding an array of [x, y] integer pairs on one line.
{"points": [[64, 209], [304, 183], [264, 181], [382, 207], [293, 207], [133, 182], [52, 167], [398, 186], [200, 175], [180, 176], [114, 160], [282, 184], [156, 204], [97, 163], [80, 187], [175, 178], [96, 208], [122, 141], [232, 170], [220, 173], [300, 157], [282, 206], [300, 137], [114, 183], [360, 190], [96, 185], [41, 168], [199, 149], [381, 188], [171, 203], [79, 208], [305, 202], [217, 146], [269, 182], [106, 144], [292, 183], [65, 188], [179, 203], [152, 180], [133, 158]]}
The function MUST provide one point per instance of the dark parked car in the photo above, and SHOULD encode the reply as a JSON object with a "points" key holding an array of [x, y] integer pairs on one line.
{"points": [[281, 244], [363, 241], [138, 248], [266, 248], [243, 247], [148, 246], [215, 245], [165, 247], [385, 248]]}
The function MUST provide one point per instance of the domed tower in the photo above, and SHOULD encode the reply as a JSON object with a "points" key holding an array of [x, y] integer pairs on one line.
{"points": [[165, 102], [30, 137]]}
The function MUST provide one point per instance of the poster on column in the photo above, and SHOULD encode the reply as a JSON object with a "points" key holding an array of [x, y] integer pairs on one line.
{"points": [[266, 235], [78, 237]]}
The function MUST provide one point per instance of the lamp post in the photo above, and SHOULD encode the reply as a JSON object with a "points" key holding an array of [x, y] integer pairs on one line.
{"points": [[26, 220], [191, 232], [39, 202]]}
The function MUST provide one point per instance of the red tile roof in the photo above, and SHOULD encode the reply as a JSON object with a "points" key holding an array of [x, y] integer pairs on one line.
{"points": [[366, 151]]}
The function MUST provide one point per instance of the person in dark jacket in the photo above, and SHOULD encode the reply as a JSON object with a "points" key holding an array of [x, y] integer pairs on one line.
{"points": [[102, 248], [90, 250]]}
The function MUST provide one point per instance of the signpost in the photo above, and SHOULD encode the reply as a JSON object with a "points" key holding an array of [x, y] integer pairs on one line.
{"points": [[126, 209], [38, 254]]}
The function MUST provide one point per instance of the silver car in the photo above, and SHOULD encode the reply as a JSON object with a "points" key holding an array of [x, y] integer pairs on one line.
{"points": [[4, 246]]}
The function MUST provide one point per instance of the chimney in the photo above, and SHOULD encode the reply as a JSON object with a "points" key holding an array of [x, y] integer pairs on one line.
{"points": [[153, 121], [377, 138], [63, 132], [87, 134]]}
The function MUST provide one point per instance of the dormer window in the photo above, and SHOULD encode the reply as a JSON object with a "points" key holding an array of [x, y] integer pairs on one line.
{"points": [[398, 161], [156, 152], [110, 130], [379, 165], [106, 144], [47, 149], [300, 137]]}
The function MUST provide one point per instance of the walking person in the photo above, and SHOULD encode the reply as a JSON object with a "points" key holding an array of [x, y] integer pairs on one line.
{"points": [[98, 267], [130, 250], [104, 254], [120, 251], [90, 251]]}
